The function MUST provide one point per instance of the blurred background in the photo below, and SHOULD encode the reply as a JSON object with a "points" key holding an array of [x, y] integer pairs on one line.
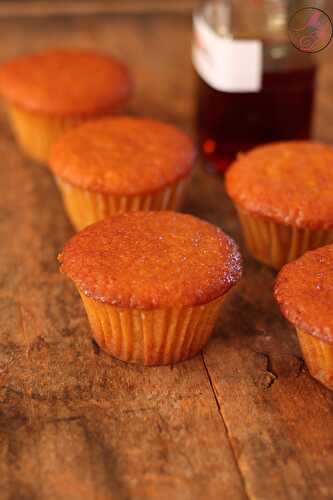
{"points": [[154, 37], [53, 7]]}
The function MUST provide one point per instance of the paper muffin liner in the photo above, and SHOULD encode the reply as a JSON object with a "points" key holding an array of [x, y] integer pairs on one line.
{"points": [[35, 132], [275, 244], [318, 356], [86, 207], [151, 337]]}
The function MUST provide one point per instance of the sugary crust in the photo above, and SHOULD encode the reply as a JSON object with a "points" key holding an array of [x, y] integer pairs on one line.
{"points": [[123, 155], [62, 82], [149, 260], [289, 182], [304, 291]]}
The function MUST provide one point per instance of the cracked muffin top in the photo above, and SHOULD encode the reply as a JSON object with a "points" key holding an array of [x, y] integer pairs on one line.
{"points": [[304, 291], [289, 182], [65, 82], [152, 260], [123, 155]]}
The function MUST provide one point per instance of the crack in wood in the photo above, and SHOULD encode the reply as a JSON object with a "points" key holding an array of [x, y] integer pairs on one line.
{"points": [[27, 393], [283, 365], [50, 420], [95, 347], [210, 381]]}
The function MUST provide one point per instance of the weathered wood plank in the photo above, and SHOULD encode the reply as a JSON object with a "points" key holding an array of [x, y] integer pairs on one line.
{"points": [[279, 420]]}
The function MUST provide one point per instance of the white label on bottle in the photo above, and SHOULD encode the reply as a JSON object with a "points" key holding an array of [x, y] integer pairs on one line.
{"points": [[225, 63]]}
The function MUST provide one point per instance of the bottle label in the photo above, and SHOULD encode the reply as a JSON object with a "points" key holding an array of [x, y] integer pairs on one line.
{"points": [[226, 64]]}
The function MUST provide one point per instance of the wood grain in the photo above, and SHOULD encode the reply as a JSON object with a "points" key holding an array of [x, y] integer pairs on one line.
{"points": [[42, 8], [243, 420]]}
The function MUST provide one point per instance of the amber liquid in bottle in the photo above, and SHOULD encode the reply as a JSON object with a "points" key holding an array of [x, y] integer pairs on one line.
{"points": [[231, 122]]}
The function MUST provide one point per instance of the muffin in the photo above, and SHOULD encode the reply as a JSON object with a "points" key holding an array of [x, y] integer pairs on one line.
{"points": [[283, 193], [51, 91], [304, 291], [152, 283], [121, 164]]}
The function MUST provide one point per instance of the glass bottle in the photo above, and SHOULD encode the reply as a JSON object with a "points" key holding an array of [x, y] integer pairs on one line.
{"points": [[253, 84]]}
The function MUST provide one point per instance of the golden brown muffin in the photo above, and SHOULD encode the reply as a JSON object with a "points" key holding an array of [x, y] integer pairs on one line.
{"points": [[283, 193], [51, 91], [152, 283], [121, 164], [304, 291]]}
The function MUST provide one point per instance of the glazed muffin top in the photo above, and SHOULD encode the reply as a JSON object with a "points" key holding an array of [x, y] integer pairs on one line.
{"points": [[304, 291], [289, 182], [63, 82], [122, 155], [152, 260]]}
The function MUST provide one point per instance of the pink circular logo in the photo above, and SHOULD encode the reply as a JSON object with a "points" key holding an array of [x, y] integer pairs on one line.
{"points": [[310, 29]]}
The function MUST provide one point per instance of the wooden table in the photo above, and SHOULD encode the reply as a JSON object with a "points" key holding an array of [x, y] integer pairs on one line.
{"points": [[242, 420]]}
